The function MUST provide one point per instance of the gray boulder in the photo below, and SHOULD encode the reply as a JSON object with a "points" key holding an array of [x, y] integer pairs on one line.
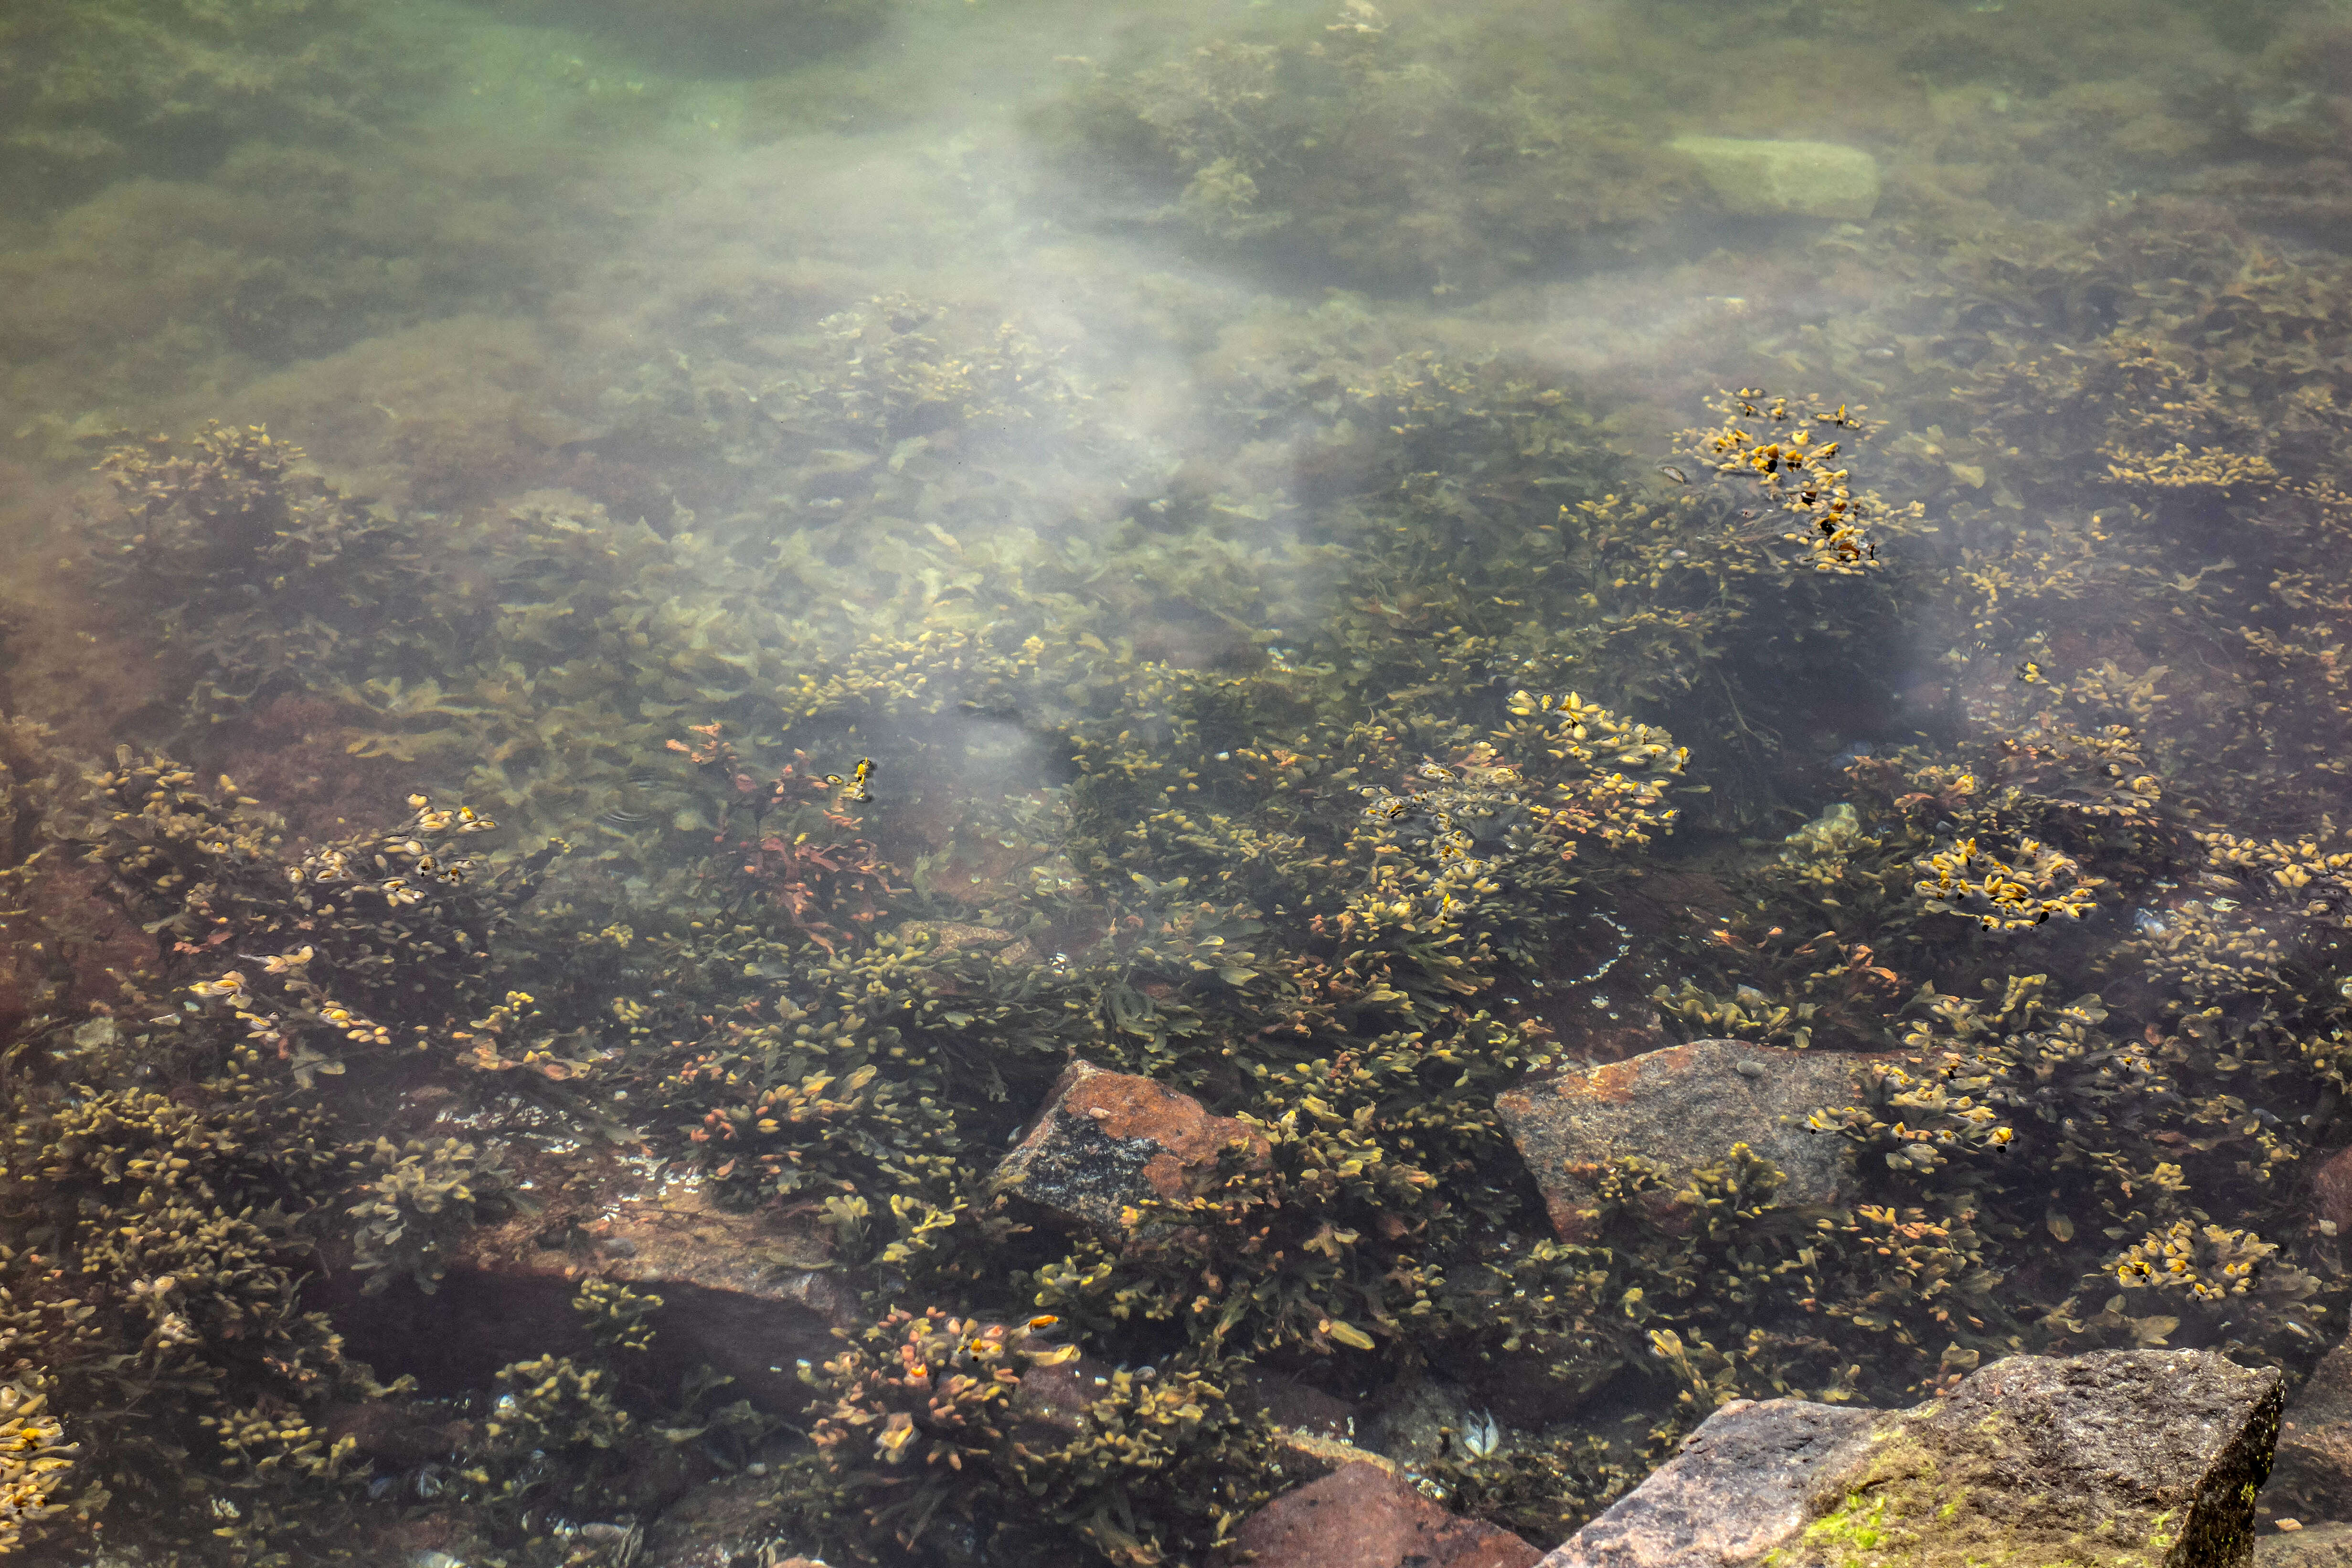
{"points": [[2114, 1460], [1682, 1108]]}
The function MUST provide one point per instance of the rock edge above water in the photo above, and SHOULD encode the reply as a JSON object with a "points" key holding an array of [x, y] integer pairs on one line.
{"points": [[2113, 1460]]}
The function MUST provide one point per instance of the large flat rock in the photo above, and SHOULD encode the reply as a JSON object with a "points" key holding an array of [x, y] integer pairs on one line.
{"points": [[2114, 1460], [1684, 1108], [750, 1293], [1795, 179]]}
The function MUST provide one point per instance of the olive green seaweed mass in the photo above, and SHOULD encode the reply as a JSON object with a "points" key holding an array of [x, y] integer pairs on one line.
{"points": [[97, 92], [1314, 888], [793, 836]]}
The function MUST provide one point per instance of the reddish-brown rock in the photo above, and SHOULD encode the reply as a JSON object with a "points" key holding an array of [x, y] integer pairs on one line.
{"points": [[55, 977], [749, 1293], [297, 754], [397, 1431], [1290, 1404], [1362, 1516], [1684, 1108], [1051, 1404], [2331, 1192], [720, 1523], [1107, 1140]]}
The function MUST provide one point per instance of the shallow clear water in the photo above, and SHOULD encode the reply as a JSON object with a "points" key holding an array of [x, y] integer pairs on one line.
{"points": [[1345, 560]]}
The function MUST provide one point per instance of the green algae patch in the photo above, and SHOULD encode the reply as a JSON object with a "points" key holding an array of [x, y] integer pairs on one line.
{"points": [[1894, 1508], [1912, 1504], [1905, 1502], [2046, 1480]]}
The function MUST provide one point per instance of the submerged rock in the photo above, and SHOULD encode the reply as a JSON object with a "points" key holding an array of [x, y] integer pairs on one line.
{"points": [[720, 1523], [1796, 179], [1684, 1108], [1314, 1455], [2331, 1194], [1107, 1140], [1367, 1516], [749, 1293], [2114, 1460], [2312, 1478], [2316, 1546]]}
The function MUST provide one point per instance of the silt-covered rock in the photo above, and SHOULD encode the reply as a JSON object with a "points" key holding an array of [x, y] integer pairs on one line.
{"points": [[2313, 1546], [1682, 1108], [748, 1293], [2312, 1477]]}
